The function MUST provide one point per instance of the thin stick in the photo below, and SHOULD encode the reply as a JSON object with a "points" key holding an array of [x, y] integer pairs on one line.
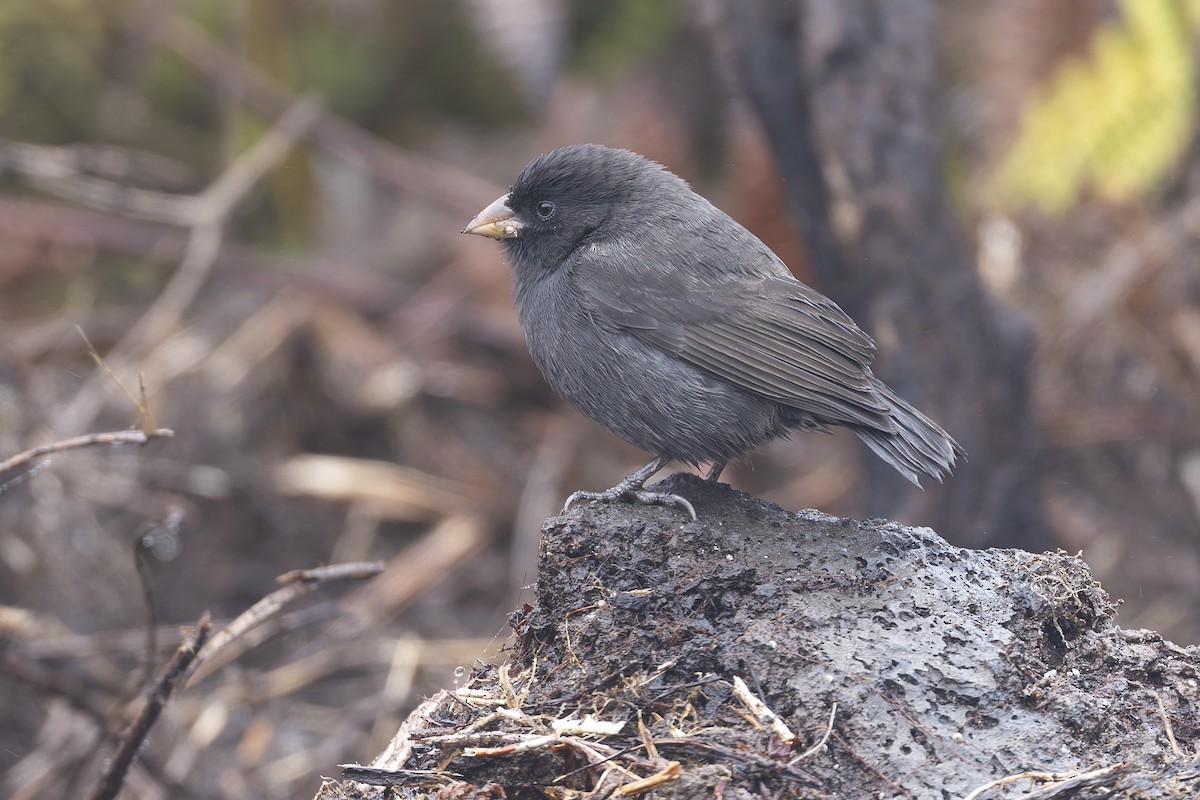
{"points": [[1062, 780], [89, 440], [352, 571], [217, 201], [373, 776], [297, 583], [205, 214], [1084, 780], [1162, 709], [647, 742], [131, 740], [1040, 776], [213, 204], [526, 744], [396, 754], [762, 713], [668, 773], [152, 242], [478, 738], [139, 400], [122, 164], [824, 738]]}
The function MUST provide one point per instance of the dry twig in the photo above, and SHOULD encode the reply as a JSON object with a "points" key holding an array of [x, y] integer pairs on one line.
{"points": [[395, 756], [1166, 720], [297, 583], [374, 776], [670, 772], [131, 740], [761, 712], [90, 440], [205, 215], [816, 748], [1063, 781], [420, 565]]}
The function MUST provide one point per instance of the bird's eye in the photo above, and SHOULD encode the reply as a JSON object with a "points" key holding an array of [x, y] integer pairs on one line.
{"points": [[545, 209]]}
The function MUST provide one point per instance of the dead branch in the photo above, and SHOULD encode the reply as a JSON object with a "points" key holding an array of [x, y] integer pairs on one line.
{"points": [[131, 740], [334, 572], [1062, 782], [62, 177], [205, 214], [29, 220], [89, 440], [297, 583], [109, 161]]}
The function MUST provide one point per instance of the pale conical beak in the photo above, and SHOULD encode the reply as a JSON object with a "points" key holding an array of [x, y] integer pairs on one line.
{"points": [[496, 221]]}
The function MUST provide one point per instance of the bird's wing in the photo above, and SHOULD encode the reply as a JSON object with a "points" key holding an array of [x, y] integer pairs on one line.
{"points": [[770, 335]]}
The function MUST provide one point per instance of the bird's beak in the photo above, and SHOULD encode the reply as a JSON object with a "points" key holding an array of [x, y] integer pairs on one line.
{"points": [[496, 221]]}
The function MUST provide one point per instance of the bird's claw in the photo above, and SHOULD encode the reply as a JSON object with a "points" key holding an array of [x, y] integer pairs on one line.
{"points": [[610, 494], [665, 499], [643, 496]]}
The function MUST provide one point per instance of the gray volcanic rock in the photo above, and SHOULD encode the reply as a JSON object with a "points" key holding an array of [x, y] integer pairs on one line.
{"points": [[949, 668]]}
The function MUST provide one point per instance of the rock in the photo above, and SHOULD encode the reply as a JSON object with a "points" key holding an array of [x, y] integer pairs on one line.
{"points": [[942, 670]]}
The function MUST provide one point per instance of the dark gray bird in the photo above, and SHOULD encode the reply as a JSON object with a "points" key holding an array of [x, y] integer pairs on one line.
{"points": [[660, 317]]}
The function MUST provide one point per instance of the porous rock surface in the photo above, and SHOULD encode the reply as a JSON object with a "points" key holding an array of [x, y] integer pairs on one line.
{"points": [[949, 668]]}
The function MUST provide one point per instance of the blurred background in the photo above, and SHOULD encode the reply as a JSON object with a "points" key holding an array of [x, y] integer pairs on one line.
{"points": [[252, 208]]}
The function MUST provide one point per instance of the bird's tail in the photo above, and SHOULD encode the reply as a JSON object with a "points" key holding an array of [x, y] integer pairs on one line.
{"points": [[918, 446]]}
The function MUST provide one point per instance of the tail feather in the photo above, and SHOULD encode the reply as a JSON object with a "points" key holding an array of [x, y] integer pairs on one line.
{"points": [[918, 446]]}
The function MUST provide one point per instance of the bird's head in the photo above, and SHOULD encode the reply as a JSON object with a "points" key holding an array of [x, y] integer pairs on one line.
{"points": [[571, 196]]}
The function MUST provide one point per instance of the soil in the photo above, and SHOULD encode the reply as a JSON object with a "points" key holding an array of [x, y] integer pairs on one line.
{"points": [[942, 669]]}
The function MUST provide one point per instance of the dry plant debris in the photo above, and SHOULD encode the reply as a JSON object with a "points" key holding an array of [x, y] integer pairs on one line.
{"points": [[486, 719]]}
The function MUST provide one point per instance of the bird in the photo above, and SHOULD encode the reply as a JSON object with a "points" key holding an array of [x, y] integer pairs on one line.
{"points": [[667, 322]]}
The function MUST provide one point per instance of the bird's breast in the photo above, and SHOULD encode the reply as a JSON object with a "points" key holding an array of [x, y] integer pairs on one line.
{"points": [[647, 397]]}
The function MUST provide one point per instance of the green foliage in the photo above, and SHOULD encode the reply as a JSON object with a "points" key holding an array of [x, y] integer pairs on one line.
{"points": [[1114, 121]]}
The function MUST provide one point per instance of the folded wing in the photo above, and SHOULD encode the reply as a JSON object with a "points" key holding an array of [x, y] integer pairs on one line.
{"points": [[773, 336]]}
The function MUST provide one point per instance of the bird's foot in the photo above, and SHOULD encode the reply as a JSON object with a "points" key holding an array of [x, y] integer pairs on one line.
{"points": [[633, 487], [649, 498], [643, 496]]}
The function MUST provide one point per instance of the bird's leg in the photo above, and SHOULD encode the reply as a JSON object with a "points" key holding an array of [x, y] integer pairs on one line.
{"points": [[632, 486], [714, 472]]}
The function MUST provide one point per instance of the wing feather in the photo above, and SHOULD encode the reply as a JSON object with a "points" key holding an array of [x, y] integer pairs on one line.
{"points": [[773, 336]]}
